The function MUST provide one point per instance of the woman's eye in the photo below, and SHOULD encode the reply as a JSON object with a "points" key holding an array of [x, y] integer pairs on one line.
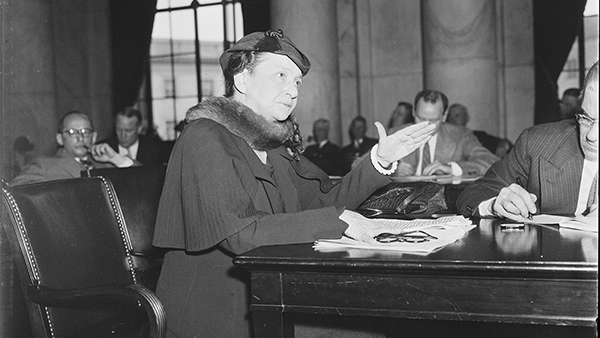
{"points": [[298, 83], [281, 75]]}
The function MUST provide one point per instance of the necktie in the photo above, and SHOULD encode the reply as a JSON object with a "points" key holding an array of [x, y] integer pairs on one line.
{"points": [[426, 156], [87, 163], [591, 201]]}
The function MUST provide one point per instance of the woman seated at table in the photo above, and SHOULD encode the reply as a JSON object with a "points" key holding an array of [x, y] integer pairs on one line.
{"points": [[237, 180]]}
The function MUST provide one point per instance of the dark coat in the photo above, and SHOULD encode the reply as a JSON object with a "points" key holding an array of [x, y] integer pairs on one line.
{"points": [[328, 157], [549, 162], [219, 200], [350, 153]]}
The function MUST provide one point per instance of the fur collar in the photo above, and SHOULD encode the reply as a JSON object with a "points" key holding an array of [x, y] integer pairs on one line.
{"points": [[243, 122]]}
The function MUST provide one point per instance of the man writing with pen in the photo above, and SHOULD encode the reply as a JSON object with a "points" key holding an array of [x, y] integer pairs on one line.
{"points": [[553, 169], [75, 136]]}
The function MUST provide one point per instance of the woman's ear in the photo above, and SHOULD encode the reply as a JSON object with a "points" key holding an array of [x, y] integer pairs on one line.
{"points": [[239, 81]]}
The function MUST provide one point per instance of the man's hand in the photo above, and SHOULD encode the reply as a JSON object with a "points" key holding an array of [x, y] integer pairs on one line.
{"points": [[514, 202], [104, 153], [403, 142], [437, 168]]}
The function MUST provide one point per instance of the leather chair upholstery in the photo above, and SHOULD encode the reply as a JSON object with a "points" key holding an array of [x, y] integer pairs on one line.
{"points": [[138, 190], [73, 257]]}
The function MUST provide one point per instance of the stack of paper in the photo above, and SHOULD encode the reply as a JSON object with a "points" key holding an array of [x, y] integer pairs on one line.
{"points": [[442, 231], [589, 223]]}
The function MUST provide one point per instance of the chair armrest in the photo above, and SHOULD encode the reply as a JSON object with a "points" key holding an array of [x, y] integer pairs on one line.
{"points": [[76, 297]]}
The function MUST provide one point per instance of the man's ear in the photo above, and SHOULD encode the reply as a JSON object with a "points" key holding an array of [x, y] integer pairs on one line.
{"points": [[94, 136], [59, 139], [445, 115]]}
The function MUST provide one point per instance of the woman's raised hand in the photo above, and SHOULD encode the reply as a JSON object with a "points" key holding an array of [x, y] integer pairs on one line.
{"points": [[392, 148]]}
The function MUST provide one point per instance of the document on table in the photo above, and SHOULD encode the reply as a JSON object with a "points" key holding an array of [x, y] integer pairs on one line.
{"points": [[441, 179], [589, 223], [442, 231]]}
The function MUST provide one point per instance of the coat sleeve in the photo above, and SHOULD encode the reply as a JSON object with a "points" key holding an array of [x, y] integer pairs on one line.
{"points": [[321, 205], [516, 164]]}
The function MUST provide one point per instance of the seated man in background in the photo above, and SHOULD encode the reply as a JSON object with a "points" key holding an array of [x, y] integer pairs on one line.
{"points": [[129, 141], [323, 153], [569, 104], [552, 169], [458, 115], [359, 143], [452, 149], [75, 137]]}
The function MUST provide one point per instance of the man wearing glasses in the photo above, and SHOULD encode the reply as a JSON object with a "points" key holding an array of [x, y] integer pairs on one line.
{"points": [[77, 152], [553, 169], [452, 150]]}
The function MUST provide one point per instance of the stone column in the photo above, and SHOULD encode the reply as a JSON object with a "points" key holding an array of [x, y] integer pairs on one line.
{"points": [[311, 25], [460, 58]]}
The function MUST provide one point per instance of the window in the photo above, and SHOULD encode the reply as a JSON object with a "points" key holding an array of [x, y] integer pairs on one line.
{"points": [[187, 39], [572, 75]]}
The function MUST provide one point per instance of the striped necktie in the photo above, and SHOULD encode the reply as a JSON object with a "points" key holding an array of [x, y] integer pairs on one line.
{"points": [[426, 156]]}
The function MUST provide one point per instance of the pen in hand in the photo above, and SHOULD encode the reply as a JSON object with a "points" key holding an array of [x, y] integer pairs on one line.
{"points": [[529, 215]]}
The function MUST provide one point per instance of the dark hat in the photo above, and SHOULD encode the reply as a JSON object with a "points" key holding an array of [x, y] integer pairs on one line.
{"points": [[269, 42]]}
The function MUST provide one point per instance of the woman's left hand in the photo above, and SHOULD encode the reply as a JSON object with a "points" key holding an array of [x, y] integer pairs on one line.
{"points": [[394, 147]]}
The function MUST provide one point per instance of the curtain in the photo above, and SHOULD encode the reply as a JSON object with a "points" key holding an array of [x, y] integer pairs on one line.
{"points": [[555, 27], [131, 34]]}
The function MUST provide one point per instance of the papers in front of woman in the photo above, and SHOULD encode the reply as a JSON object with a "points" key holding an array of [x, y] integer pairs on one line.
{"points": [[583, 223], [440, 232]]}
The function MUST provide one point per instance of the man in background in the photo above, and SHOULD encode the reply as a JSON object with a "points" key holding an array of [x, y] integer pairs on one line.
{"points": [[569, 104], [75, 137], [459, 115], [323, 153], [452, 149], [359, 142], [129, 141], [552, 169]]}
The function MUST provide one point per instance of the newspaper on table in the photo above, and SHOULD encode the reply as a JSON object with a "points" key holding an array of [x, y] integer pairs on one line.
{"points": [[440, 232]]}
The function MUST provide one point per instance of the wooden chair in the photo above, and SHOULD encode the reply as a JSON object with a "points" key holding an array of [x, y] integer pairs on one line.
{"points": [[138, 190], [72, 251]]}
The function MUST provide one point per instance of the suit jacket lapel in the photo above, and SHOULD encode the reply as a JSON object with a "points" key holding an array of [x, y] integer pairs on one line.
{"points": [[560, 175], [445, 145]]}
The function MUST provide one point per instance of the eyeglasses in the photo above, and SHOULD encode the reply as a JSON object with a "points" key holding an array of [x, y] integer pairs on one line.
{"points": [[417, 236], [74, 133], [585, 121]]}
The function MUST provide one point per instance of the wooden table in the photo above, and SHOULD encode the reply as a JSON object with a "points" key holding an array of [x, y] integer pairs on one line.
{"points": [[535, 275]]}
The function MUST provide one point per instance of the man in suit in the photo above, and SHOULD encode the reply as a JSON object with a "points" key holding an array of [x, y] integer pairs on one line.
{"points": [[359, 143], [129, 141], [553, 168], [452, 149], [459, 115], [76, 137], [323, 153]]}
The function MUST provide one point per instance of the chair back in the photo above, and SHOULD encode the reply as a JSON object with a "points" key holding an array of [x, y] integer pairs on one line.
{"points": [[72, 238], [138, 190]]}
